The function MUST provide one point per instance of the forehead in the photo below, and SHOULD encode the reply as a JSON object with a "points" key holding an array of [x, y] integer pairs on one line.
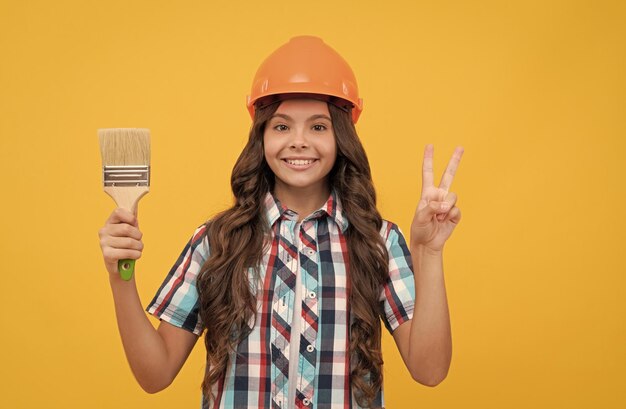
{"points": [[306, 106]]}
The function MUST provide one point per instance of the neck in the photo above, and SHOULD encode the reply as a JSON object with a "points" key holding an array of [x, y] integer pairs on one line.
{"points": [[303, 201]]}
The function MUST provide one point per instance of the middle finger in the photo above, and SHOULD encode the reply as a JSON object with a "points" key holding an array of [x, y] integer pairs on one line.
{"points": [[453, 164]]}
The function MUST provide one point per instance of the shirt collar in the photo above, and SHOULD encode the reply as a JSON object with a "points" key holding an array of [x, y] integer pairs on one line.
{"points": [[275, 210]]}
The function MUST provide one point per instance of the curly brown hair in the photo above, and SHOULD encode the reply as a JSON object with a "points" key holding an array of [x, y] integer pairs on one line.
{"points": [[237, 239]]}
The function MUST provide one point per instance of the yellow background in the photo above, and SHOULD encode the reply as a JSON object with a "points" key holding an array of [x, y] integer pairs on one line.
{"points": [[534, 90]]}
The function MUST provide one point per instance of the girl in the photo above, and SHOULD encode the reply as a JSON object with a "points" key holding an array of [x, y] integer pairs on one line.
{"points": [[291, 282]]}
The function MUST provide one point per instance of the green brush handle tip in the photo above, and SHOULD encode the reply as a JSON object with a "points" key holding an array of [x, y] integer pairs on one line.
{"points": [[126, 268]]}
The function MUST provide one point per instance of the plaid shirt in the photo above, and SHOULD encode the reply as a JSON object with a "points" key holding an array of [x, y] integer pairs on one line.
{"points": [[258, 373]]}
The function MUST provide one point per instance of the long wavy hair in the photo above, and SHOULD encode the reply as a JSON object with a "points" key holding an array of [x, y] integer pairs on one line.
{"points": [[237, 239]]}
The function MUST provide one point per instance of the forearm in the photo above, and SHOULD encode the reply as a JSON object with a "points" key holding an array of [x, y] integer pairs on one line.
{"points": [[430, 349], [145, 349]]}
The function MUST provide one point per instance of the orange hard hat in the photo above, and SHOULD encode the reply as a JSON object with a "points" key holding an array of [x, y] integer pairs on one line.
{"points": [[305, 65]]}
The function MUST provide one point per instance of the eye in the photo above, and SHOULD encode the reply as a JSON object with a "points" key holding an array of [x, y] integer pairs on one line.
{"points": [[319, 127], [281, 127]]}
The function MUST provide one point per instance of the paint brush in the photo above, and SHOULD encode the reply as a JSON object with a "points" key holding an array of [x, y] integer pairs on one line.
{"points": [[125, 172]]}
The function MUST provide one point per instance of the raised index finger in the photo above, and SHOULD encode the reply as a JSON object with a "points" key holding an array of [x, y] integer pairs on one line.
{"points": [[448, 175]]}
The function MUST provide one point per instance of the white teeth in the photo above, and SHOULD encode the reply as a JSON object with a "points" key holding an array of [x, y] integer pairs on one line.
{"points": [[299, 162]]}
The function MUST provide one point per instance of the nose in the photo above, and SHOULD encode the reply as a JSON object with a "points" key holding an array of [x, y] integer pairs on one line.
{"points": [[299, 139]]}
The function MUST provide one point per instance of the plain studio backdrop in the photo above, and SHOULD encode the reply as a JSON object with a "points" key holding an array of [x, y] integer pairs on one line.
{"points": [[535, 91]]}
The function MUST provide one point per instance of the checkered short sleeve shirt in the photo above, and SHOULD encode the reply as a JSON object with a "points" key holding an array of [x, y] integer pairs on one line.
{"points": [[259, 369]]}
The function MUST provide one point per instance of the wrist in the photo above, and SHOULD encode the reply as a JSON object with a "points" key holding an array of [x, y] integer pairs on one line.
{"points": [[116, 279], [424, 250]]}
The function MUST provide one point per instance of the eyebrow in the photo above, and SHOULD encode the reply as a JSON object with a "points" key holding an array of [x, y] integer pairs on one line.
{"points": [[311, 118]]}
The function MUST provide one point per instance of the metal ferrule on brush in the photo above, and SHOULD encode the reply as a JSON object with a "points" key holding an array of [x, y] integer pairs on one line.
{"points": [[135, 175]]}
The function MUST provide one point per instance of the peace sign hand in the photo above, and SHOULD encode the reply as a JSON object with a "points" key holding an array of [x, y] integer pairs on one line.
{"points": [[436, 215]]}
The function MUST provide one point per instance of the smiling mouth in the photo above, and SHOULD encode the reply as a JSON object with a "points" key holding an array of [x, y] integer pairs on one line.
{"points": [[299, 162]]}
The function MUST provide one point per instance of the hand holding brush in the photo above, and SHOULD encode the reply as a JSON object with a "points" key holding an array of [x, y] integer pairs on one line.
{"points": [[120, 239]]}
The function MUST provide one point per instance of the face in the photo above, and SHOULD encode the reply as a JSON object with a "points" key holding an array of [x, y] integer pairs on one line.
{"points": [[300, 147]]}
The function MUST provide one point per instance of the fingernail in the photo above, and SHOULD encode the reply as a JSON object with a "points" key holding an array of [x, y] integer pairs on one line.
{"points": [[445, 206]]}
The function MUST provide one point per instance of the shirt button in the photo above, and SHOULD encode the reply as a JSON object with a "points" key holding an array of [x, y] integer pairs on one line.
{"points": [[310, 348], [311, 294], [306, 401], [310, 252]]}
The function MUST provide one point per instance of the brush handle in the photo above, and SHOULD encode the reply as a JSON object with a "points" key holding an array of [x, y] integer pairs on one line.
{"points": [[126, 197], [126, 269]]}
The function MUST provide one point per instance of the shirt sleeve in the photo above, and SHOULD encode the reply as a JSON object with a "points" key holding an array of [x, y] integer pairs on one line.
{"points": [[176, 301], [398, 293]]}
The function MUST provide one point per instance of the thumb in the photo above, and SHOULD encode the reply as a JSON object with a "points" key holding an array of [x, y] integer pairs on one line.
{"points": [[433, 208]]}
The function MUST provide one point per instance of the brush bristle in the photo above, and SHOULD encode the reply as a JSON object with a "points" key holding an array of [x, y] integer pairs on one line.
{"points": [[124, 146]]}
